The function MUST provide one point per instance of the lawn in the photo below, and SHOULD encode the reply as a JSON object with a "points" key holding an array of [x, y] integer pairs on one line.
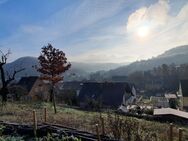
{"points": [[126, 128]]}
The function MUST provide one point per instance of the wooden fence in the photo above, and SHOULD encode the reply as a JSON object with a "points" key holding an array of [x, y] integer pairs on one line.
{"points": [[42, 129]]}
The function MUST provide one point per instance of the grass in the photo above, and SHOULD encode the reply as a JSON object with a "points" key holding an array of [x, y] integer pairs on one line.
{"points": [[115, 125]]}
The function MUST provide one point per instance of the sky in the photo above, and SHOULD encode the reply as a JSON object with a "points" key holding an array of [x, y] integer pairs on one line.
{"points": [[101, 31]]}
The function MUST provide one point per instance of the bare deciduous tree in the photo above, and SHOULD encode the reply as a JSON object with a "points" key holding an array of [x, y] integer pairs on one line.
{"points": [[6, 79]]}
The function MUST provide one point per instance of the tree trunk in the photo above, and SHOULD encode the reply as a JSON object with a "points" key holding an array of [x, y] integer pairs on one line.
{"points": [[2, 76], [51, 95], [4, 90], [53, 99], [4, 95]]}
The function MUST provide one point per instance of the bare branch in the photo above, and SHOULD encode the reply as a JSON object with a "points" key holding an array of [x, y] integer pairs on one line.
{"points": [[11, 78], [4, 57], [8, 74]]}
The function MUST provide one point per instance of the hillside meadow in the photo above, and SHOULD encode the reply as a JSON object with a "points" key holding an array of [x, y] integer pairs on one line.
{"points": [[116, 126]]}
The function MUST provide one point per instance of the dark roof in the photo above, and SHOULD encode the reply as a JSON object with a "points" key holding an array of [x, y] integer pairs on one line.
{"points": [[184, 87], [72, 85], [27, 82], [119, 78], [110, 94]]}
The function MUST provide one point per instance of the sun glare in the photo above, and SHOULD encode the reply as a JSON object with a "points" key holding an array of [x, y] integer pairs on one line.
{"points": [[143, 31]]}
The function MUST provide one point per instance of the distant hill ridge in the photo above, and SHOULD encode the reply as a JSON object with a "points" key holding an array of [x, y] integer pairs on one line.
{"points": [[180, 50], [78, 70], [177, 55]]}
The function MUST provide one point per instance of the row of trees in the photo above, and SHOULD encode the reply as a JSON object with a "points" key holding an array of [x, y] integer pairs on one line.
{"points": [[52, 65], [162, 78]]}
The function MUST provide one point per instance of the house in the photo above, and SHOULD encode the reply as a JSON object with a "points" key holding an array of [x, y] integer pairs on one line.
{"points": [[170, 96], [27, 82], [67, 92], [109, 94], [70, 86], [160, 102], [37, 89], [173, 100], [183, 94]]}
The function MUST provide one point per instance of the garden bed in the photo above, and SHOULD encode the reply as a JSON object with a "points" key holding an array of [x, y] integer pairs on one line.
{"points": [[47, 131]]}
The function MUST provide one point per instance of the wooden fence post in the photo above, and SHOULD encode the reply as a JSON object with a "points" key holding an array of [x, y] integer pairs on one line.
{"points": [[171, 132], [180, 134], [45, 115], [34, 123], [102, 124], [97, 131]]}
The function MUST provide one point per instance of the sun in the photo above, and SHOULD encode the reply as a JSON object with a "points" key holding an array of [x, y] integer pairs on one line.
{"points": [[143, 31]]}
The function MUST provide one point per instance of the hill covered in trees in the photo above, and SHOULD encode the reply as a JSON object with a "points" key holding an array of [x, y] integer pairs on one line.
{"points": [[164, 78], [177, 55]]}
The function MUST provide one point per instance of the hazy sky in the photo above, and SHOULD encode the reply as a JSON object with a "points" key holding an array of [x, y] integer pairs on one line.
{"points": [[93, 30]]}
